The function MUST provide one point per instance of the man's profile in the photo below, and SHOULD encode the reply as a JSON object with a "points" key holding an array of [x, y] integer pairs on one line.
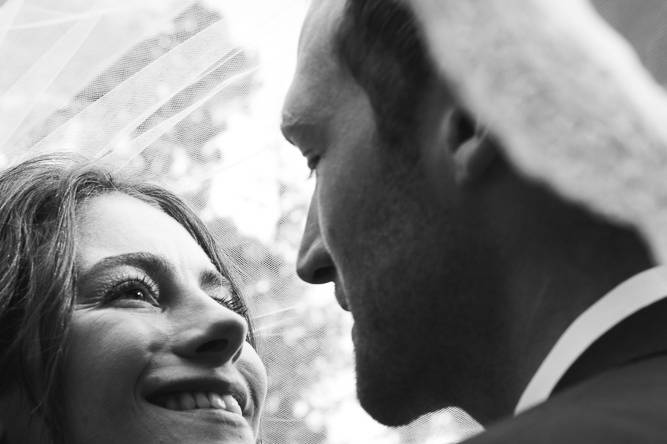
{"points": [[458, 291]]}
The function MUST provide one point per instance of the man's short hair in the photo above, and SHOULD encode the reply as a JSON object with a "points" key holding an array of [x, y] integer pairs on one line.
{"points": [[379, 43]]}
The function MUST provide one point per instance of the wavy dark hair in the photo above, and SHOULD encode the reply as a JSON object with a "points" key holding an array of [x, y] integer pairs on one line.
{"points": [[39, 199]]}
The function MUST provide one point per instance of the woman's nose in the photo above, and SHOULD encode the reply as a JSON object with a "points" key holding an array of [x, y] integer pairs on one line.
{"points": [[209, 333]]}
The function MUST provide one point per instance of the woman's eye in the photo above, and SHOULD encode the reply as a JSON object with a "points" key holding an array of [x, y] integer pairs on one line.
{"points": [[134, 291], [232, 301]]}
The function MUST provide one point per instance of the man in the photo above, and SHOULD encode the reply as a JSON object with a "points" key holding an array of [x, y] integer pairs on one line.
{"points": [[459, 287]]}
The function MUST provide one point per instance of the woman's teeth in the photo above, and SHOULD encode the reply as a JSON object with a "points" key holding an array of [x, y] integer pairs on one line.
{"points": [[199, 400]]}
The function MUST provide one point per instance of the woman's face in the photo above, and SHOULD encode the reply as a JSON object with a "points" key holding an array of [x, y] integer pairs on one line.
{"points": [[156, 352]]}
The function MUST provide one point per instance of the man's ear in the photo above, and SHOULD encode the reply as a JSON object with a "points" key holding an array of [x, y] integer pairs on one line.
{"points": [[471, 149]]}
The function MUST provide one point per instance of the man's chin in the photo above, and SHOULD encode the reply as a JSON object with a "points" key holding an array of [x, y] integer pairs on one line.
{"points": [[386, 402], [386, 411]]}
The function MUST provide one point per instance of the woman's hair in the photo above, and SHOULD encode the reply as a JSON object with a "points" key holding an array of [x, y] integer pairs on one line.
{"points": [[39, 199]]}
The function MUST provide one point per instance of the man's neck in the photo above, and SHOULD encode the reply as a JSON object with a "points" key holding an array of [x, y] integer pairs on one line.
{"points": [[549, 284], [552, 290]]}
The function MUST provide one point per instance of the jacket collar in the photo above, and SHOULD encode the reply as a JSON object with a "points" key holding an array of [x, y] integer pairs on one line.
{"points": [[636, 293]]}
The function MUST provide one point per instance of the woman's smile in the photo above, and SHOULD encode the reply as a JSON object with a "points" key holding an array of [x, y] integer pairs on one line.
{"points": [[193, 393]]}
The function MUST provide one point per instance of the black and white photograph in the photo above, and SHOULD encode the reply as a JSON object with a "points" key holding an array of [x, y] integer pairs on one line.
{"points": [[333, 222]]}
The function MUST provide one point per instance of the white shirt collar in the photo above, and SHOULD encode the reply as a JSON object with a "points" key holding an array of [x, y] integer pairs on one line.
{"points": [[626, 299]]}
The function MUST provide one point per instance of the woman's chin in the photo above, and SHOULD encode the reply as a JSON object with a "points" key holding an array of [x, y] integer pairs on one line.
{"points": [[199, 425]]}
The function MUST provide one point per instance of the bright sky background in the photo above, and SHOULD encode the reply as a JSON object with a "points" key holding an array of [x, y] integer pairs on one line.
{"points": [[253, 143]]}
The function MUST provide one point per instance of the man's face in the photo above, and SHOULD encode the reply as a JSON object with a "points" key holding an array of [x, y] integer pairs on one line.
{"points": [[400, 261]]}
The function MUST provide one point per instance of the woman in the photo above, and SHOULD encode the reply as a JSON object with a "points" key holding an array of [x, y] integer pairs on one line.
{"points": [[118, 319]]}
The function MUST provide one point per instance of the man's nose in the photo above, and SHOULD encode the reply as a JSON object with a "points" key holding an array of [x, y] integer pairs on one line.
{"points": [[209, 333], [314, 264]]}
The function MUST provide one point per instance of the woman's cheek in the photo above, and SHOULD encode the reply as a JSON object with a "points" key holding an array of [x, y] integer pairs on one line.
{"points": [[108, 350], [254, 371]]}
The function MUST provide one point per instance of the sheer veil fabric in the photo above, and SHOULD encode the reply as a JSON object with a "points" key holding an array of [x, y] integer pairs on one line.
{"points": [[188, 94]]}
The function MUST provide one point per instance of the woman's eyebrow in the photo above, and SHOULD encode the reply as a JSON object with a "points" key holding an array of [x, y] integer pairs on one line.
{"points": [[150, 262], [212, 279]]}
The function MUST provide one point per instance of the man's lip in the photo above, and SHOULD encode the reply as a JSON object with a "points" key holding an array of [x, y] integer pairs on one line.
{"points": [[157, 387]]}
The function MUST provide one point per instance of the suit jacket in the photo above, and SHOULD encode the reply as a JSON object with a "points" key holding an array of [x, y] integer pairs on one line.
{"points": [[626, 405], [615, 393]]}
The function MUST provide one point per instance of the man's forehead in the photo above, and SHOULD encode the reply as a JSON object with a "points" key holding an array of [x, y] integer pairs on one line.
{"points": [[318, 75], [319, 27]]}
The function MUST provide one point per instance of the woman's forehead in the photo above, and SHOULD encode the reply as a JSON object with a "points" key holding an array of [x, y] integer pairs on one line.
{"points": [[115, 223]]}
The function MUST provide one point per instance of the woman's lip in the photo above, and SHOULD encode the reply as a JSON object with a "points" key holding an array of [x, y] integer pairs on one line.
{"points": [[210, 422], [158, 387], [186, 401], [211, 415]]}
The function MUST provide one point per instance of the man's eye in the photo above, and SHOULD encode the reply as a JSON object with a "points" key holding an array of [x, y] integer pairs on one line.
{"points": [[312, 164]]}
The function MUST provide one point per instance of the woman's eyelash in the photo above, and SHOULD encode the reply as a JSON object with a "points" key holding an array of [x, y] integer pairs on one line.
{"points": [[229, 299], [139, 287], [135, 288]]}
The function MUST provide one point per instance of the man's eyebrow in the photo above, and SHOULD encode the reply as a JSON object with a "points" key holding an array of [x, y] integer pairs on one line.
{"points": [[290, 127], [304, 134], [150, 262]]}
